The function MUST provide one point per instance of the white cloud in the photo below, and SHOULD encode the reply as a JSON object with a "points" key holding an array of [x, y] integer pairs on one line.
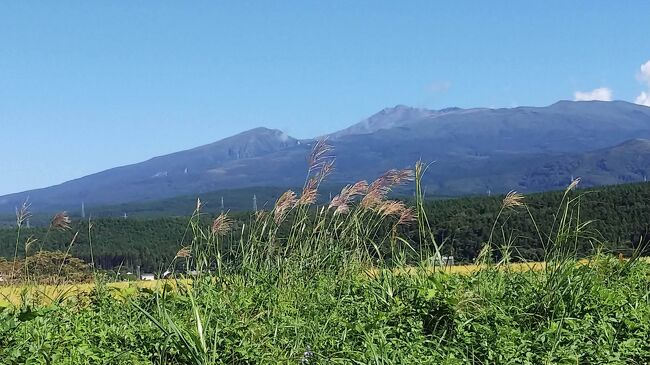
{"points": [[644, 73], [643, 99], [601, 93], [284, 137], [644, 76]]}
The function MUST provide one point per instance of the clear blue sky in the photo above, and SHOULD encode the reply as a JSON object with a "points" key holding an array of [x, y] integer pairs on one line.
{"points": [[87, 85]]}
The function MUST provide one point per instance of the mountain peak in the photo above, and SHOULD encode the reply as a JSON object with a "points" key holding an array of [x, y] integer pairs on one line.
{"points": [[259, 130], [400, 109], [385, 119], [257, 135]]}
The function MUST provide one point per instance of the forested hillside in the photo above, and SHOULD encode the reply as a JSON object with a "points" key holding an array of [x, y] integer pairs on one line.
{"points": [[620, 214]]}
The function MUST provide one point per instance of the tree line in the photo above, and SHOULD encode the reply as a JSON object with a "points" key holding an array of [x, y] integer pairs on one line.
{"points": [[620, 215]]}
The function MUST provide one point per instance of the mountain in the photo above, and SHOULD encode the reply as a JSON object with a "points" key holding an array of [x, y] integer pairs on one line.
{"points": [[624, 163], [564, 126], [476, 150], [472, 151], [205, 168]]}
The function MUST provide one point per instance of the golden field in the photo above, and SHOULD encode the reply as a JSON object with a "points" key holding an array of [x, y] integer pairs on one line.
{"points": [[11, 295]]}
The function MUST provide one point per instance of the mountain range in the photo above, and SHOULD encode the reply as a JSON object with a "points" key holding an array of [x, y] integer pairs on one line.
{"points": [[471, 151]]}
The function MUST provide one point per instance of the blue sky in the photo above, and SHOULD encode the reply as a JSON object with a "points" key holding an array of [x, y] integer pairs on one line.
{"points": [[86, 86]]}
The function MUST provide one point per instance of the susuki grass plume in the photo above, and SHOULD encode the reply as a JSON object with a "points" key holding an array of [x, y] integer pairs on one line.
{"points": [[23, 214], [320, 156], [512, 200], [184, 252], [406, 216], [222, 224], [61, 221], [341, 202], [391, 208], [309, 192], [320, 165], [574, 183], [399, 177], [284, 204], [379, 189]]}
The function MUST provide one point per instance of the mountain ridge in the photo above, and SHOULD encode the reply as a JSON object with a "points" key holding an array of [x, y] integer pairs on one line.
{"points": [[476, 149]]}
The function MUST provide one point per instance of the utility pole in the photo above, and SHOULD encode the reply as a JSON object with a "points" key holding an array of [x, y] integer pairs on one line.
{"points": [[83, 210], [222, 206], [254, 203]]}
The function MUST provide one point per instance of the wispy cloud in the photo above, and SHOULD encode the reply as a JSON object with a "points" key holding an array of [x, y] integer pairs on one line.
{"points": [[643, 99], [644, 77], [439, 86], [601, 93]]}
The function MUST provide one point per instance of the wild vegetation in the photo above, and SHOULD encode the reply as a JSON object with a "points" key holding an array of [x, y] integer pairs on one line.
{"points": [[618, 215], [355, 281]]}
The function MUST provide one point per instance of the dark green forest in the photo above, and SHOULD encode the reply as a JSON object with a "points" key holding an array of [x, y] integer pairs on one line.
{"points": [[620, 214], [234, 200]]}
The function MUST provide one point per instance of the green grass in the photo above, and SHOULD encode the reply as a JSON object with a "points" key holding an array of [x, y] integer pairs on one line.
{"points": [[302, 284], [488, 317]]}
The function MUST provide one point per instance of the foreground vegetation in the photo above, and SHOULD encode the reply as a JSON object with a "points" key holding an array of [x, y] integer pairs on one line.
{"points": [[356, 281], [485, 318]]}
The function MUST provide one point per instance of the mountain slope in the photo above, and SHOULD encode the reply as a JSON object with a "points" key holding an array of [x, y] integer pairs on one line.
{"points": [[473, 150], [205, 168], [623, 163]]}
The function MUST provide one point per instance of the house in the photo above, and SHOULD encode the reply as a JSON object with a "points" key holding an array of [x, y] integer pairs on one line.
{"points": [[169, 274], [148, 277], [442, 261], [447, 261]]}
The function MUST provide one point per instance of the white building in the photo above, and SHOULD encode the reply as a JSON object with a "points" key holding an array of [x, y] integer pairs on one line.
{"points": [[148, 277]]}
